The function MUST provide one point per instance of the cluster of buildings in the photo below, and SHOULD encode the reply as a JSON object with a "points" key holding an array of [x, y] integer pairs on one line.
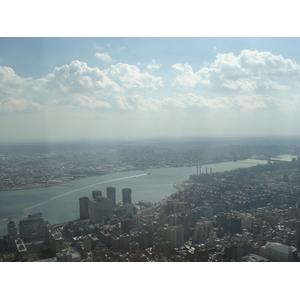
{"points": [[23, 167], [37, 238], [242, 215]]}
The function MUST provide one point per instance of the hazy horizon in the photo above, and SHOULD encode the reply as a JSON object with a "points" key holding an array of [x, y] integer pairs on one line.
{"points": [[69, 89]]}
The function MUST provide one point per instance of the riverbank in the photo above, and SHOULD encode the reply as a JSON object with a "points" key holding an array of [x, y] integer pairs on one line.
{"points": [[180, 186], [36, 185], [59, 203]]}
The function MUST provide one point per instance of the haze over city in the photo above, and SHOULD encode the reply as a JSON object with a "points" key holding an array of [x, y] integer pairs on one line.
{"points": [[62, 89], [211, 84]]}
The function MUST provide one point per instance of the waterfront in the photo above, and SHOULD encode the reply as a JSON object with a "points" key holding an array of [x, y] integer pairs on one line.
{"points": [[60, 203]]}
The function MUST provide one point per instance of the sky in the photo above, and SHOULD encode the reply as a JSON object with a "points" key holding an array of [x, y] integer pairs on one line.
{"points": [[133, 87], [219, 82]]}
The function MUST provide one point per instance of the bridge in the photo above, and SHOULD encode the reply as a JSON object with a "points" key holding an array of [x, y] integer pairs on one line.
{"points": [[268, 159]]}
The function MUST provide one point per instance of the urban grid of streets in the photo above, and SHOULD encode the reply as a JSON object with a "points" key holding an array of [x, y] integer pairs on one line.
{"points": [[242, 215]]}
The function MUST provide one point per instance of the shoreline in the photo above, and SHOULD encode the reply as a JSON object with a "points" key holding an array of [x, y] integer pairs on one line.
{"points": [[109, 172], [113, 172]]}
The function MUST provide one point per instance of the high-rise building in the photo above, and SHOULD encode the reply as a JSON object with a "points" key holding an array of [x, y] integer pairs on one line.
{"points": [[55, 241], [21, 251], [236, 224], [111, 194], [130, 209], [34, 248], [64, 256], [105, 237], [201, 254], [257, 229], [201, 230], [125, 225], [145, 240], [172, 220], [98, 208], [233, 250], [222, 220], [84, 207], [12, 230], [162, 220], [133, 247], [90, 242], [126, 195], [183, 219], [179, 206], [175, 235], [115, 244], [297, 236], [277, 252], [162, 232], [149, 228], [124, 241], [33, 228], [162, 247], [96, 194], [193, 216], [135, 236]]}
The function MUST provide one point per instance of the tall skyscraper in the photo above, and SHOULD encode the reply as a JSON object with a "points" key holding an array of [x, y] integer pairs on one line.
{"points": [[98, 208], [12, 230], [175, 234], [126, 193], [125, 240], [55, 241], [33, 228], [84, 207], [125, 225], [64, 256], [96, 194], [236, 224], [21, 250], [297, 235], [145, 240], [111, 194]]}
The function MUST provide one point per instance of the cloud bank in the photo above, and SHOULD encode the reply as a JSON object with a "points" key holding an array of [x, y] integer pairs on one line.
{"points": [[230, 92], [250, 71]]}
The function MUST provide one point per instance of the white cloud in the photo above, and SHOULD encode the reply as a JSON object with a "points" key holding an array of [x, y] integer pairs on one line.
{"points": [[123, 87], [188, 78], [130, 79], [91, 87], [104, 56], [267, 63], [12, 84], [78, 84], [78, 78], [232, 94], [154, 65], [18, 105], [245, 85], [90, 102], [191, 103], [251, 71], [98, 47]]}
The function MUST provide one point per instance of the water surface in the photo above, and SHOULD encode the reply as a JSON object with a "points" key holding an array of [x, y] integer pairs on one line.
{"points": [[60, 203]]}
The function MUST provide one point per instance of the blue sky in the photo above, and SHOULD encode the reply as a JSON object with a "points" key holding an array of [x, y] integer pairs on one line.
{"points": [[246, 93], [36, 57], [91, 88]]}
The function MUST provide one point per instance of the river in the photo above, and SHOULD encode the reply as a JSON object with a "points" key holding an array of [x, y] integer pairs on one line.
{"points": [[61, 204]]}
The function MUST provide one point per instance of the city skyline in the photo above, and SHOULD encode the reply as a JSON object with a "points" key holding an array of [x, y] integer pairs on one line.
{"points": [[64, 89], [19, 123]]}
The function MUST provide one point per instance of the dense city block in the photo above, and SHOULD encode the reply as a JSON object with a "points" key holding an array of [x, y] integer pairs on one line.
{"points": [[249, 214], [38, 165]]}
